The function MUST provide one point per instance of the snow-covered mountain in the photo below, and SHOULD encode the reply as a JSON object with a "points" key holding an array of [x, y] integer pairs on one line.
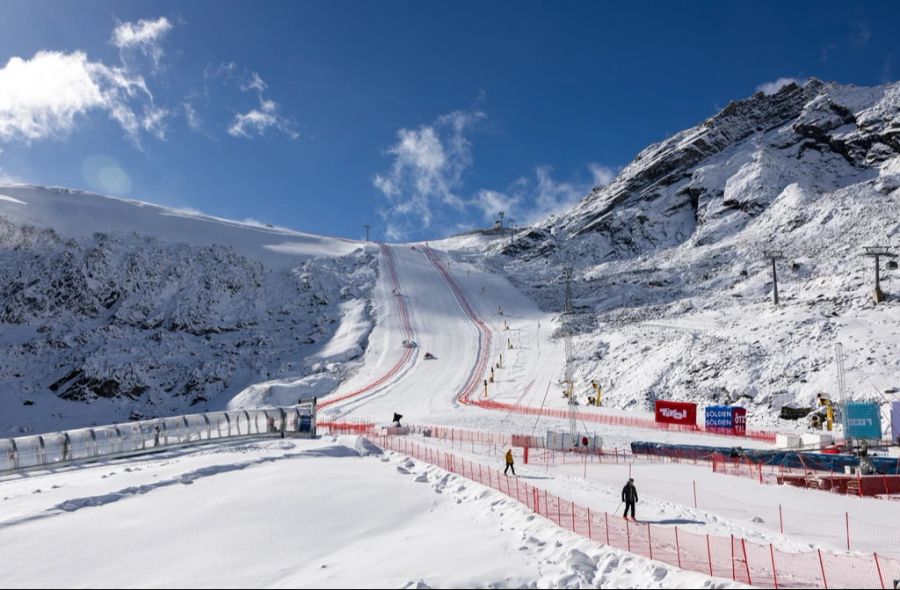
{"points": [[111, 309], [672, 290]]}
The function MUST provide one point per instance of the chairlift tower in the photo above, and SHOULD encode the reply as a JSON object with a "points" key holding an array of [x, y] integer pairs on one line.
{"points": [[774, 255], [841, 384], [570, 365], [877, 252]]}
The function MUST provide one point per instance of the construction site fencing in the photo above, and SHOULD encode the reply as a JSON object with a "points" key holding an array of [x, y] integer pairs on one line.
{"points": [[733, 558], [131, 438]]}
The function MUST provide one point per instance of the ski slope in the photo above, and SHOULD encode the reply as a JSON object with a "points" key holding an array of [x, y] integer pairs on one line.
{"points": [[78, 214], [275, 514], [431, 284], [255, 501]]}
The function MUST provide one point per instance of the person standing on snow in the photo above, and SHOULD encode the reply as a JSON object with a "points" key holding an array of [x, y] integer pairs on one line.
{"points": [[509, 463], [630, 497]]}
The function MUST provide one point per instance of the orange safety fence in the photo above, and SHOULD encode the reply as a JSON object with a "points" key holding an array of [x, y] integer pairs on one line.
{"points": [[733, 558]]}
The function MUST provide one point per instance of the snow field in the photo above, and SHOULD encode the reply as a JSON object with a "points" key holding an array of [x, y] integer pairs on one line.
{"points": [[245, 515]]}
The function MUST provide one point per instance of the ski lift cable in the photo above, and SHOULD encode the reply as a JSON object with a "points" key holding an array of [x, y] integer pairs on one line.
{"points": [[541, 410], [518, 401]]}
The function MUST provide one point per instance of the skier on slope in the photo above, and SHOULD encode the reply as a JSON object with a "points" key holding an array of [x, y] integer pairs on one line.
{"points": [[509, 463], [630, 497]]}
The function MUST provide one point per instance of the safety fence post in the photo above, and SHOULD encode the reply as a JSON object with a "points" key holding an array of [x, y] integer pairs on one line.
{"points": [[558, 511], [628, 534], [847, 520], [677, 548], [746, 561], [781, 518], [573, 516], [589, 525], [774, 569], [709, 554], [649, 542], [733, 570], [695, 493], [546, 505], [822, 566], [878, 567]]}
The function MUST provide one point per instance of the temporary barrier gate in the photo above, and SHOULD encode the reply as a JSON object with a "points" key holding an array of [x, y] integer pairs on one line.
{"points": [[564, 441]]}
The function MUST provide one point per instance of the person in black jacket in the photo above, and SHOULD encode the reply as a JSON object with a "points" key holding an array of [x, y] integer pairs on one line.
{"points": [[630, 497]]}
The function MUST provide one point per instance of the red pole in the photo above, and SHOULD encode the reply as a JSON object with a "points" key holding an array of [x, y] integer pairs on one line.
{"points": [[822, 565], [733, 569], [546, 505], [573, 516], [677, 547], [774, 571], [709, 554], [878, 567], [746, 562]]}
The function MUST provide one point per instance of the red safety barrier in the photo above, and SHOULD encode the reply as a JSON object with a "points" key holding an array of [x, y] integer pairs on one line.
{"points": [[484, 345], [725, 557], [408, 353]]}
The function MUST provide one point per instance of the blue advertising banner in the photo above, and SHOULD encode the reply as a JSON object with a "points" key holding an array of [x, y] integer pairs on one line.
{"points": [[862, 420], [719, 417]]}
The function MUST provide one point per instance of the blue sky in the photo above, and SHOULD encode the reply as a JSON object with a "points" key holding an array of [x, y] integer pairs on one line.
{"points": [[419, 118]]}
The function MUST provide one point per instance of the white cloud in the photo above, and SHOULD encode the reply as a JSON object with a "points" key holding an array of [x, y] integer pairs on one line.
{"points": [[492, 202], [773, 87], [553, 197], [45, 96], [257, 122], [144, 36], [532, 199], [603, 175], [255, 83], [427, 171], [191, 116]]}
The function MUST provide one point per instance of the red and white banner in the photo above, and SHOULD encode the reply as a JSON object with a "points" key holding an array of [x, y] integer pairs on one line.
{"points": [[670, 412]]}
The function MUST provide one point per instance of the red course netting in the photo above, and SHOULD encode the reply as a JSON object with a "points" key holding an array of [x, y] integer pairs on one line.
{"points": [[407, 331], [725, 557]]}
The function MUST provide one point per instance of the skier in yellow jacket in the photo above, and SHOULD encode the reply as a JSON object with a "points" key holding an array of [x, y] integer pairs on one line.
{"points": [[509, 462]]}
